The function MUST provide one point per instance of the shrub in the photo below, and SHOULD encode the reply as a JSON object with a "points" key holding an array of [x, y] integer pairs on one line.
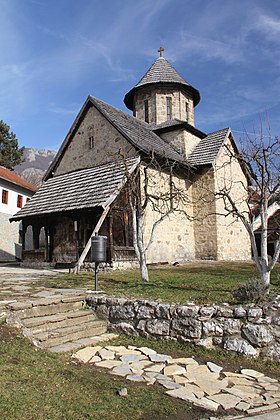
{"points": [[252, 291]]}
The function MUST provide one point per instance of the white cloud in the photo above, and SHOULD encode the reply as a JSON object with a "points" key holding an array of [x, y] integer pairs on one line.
{"points": [[270, 26], [69, 110]]}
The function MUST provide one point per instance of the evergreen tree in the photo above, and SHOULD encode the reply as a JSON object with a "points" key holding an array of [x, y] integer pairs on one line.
{"points": [[10, 153]]}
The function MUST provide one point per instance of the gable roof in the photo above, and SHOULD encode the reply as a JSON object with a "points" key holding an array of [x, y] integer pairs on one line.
{"points": [[207, 150], [15, 179], [176, 124], [161, 71], [83, 189], [138, 133]]}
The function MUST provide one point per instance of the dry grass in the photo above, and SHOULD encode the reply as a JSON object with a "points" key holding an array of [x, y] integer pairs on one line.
{"points": [[201, 282]]}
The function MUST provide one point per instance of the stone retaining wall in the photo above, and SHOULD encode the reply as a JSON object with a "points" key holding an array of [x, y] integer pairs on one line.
{"points": [[250, 330]]}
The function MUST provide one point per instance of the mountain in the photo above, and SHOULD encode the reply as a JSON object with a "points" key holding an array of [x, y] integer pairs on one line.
{"points": [[35, 164]]}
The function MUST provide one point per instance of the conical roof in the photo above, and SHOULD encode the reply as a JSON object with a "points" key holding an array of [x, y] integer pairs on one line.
{"points": [[161, 71]]}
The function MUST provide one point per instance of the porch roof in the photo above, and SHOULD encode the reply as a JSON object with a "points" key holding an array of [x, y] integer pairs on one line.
{"points": [[83, 189]]}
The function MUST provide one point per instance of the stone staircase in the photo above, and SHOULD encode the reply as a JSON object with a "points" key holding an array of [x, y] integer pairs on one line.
{"points": [[61, 323]]}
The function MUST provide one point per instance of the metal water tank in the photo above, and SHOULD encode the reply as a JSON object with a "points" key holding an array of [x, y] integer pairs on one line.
{"points": [[98, 248]]}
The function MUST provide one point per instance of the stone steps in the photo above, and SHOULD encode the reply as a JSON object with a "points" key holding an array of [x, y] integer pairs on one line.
{"points": [[48, 323], [63, 335], [58, 323]]}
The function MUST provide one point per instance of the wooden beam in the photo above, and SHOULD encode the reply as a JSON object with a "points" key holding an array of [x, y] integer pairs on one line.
{"points": [[88, 245]]}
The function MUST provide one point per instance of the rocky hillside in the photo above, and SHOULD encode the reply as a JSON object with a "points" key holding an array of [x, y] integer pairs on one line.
{"points": [[35, 164]]}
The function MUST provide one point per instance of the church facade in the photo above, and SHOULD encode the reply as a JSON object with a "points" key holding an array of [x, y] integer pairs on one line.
{"points": [[181, 171]]}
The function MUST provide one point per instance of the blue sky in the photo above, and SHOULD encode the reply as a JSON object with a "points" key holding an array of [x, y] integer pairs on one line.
{"points": [[54, 53]]}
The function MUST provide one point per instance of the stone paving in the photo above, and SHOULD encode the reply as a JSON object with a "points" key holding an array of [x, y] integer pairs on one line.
{"points": [[206, 386], [20, 284]]}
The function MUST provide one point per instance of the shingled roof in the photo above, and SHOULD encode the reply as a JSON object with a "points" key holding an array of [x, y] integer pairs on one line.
{"points": [[161, 71], [83, 189], [175, 124], [208, 148], [137, 132]]}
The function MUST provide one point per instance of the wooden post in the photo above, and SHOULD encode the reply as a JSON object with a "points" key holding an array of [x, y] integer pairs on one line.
{"points": [[110, 238], [46, 230]]}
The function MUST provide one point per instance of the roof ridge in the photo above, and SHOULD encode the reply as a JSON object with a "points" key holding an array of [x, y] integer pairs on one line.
{"points": [[13, 177], [147, 140]]}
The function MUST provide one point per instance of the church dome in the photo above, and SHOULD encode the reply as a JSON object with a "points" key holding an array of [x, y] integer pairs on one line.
{"points": [[161, 72]]}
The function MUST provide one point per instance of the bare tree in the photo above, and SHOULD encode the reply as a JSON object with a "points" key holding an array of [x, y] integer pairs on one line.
{"points": [[259, 157], [152, 186]]}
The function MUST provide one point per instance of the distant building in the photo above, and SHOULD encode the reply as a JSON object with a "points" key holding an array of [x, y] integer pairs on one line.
{"points": [[86, 180], [14, 193]]}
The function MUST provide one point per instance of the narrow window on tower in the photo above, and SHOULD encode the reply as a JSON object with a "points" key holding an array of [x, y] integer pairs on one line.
{"points": [[187, 111], [146, 105], [169, 107], [91, 142]]}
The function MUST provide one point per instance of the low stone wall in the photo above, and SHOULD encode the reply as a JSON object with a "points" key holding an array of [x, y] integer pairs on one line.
{"points": [[250, 330]]}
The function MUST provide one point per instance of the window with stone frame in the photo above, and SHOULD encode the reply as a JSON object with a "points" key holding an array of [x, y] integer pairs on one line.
{"points": [[19, 201], [169, 107], [5, 195], [187, 111], [146, 106]]}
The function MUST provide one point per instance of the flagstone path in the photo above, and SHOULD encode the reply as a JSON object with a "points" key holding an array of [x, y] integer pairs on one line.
{"points": [[206, 386]]}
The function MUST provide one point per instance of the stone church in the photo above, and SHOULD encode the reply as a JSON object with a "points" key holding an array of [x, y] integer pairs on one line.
{"points": [[85, 188]]}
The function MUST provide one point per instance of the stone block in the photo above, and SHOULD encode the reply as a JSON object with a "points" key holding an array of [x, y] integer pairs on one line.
{"points": [[86, 354], [254, 313], [240, 346], [187, 310], [182, 394], [174, 369], [158, 327], [206, 404], [257, 335], [212, 328], [144, 312], [121, 312], [239, 312], [163, 311], [227, 401], [187, 327]]}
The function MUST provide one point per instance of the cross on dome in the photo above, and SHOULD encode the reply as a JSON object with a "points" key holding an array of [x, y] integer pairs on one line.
{"points": [[160, 50]]}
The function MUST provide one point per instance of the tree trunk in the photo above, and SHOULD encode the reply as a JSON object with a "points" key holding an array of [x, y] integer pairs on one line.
{"points": [[137, 222], [143, 266], [142, 253], [265, 277]]}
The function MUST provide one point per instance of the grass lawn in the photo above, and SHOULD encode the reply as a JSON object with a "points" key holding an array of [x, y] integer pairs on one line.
{"points": [[36, 384], [201, 282]]}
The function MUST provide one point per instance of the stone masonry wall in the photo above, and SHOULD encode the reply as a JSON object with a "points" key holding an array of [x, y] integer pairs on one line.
{"points": [[205, 218], [182, 140], [157, 104], [174, 236], [233, 242], [249, 330], [107, 142]]}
